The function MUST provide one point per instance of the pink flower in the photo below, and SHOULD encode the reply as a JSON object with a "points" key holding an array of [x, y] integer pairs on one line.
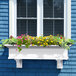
{"points": [[19, 37], [18, 45], [22, 41], [25, 39], [21, 34]]}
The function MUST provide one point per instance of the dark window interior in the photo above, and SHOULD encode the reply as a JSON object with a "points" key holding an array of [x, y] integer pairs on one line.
{"points": [[26, 17], [53, 17]]}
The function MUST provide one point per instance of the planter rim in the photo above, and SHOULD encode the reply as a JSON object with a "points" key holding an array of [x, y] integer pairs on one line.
{"points": [[35, 46], [9, 45], [24, 45]]}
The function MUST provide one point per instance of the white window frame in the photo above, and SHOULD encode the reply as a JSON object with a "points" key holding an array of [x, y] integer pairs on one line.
{"points": [[13, 17]]}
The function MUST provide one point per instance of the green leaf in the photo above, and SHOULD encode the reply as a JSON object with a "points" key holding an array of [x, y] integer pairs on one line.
{"points": [[27, 46], [0, 45]]}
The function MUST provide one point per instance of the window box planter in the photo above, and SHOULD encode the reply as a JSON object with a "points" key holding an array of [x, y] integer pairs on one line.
{"points": [[52, 52]]}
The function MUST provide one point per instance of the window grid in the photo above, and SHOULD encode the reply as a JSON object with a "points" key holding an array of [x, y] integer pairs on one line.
{"points": [[34, 18], [26, 18], [48, 18]]}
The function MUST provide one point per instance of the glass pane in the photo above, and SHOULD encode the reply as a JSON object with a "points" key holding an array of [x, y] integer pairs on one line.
{"points": [[27, 26], [32, 8], [48, 8], [21, 27], [48, 27], [59, 27], [32, 27], [21, 8], [58, 8]]}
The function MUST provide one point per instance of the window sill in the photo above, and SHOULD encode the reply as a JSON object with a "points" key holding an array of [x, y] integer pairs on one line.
{"points": [[52, 52]]}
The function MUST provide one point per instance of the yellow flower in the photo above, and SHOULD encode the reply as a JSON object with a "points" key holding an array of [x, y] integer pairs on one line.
{"points": [[59, 42], [41, 45], [44, 37], [32, 38], [46, 44], [47, 40], [32, 44], [38, 42], [40, 39], [52, 41]]}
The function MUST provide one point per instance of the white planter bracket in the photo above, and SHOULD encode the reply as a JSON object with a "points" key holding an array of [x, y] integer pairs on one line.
{"points": [[59, 64], [18, 63]]}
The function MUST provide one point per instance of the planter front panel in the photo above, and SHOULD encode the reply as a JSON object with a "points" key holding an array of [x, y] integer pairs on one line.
{"points": [[35, 52]]}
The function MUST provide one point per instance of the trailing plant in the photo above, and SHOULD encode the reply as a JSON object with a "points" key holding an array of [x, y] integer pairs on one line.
{"points": [[39, 41]]}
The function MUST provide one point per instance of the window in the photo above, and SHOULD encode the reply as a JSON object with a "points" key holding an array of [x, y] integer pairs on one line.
{"points": [[26, 17], [37, 17], [53, 17]]}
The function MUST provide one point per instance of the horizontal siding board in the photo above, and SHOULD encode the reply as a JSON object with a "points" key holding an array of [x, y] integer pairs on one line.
{"points": [[3, 14], [5, 34], [3, 10], [2, 26], [4, 6], [4, 18], [3, 22]]}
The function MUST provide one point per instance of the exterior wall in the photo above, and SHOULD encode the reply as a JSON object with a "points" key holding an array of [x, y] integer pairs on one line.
{"points": [[34, 67]]}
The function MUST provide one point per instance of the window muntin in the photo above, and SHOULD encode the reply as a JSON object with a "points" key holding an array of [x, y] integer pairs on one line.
{"points": [[57, 15], [27, 17]]}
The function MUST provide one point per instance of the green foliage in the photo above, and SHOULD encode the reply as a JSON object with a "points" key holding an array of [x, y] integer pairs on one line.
{"points": [[39, 41]]}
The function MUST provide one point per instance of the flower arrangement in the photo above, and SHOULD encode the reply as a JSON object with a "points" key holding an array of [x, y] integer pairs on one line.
{"points": [[39, 41]]}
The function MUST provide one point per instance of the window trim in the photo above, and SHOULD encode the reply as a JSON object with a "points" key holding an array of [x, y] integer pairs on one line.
{"points": [[13, 17]]}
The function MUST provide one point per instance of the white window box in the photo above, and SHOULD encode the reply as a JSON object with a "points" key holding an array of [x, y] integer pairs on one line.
{"points": [[52, 52]]}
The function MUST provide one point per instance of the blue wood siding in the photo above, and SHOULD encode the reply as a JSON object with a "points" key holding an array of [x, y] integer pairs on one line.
{"points": [[34, 67]]}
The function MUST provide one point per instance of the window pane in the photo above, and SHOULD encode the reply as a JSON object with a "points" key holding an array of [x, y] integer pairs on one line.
{"points": [[21, 8], [48, 27], [32, 27], [59, 8], [27, 26], [59, 27], [48, 8], [21, 27], [32, 8]]}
